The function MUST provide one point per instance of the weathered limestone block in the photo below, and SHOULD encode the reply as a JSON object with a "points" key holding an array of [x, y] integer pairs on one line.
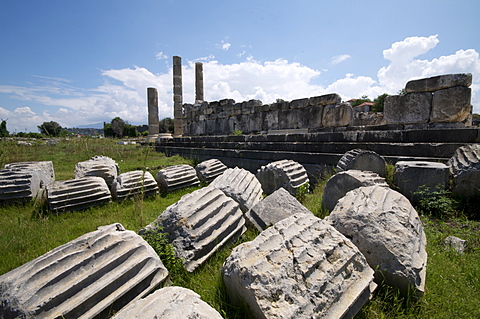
{"points": [[134, 183], [241, 185], [457, 244], [410, 176], [78, 194], [341, 183], [301, 267], [407, 109], [387, 230], [337, 115], [98, 272], [326, 99], [210, 169], [169, 302], [285, 173], [45, 166], [439, 82], [301, 103], [451, 105], [465, 169], [273, 208], [102, 166], [200, 223], [177, 176], [363, 160], [20, 185]]}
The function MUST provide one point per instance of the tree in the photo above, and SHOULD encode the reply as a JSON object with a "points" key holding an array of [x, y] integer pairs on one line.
{"points": [[3, 129], [117, 126], [165, 125], [51, 128], [378, 103], [130, 130]]}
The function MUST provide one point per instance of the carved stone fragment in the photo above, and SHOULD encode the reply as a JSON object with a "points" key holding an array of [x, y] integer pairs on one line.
{"points": [[45, 166], [363, 160], [177, 176], [451, 105], [408, 109], [337, 115], [465, 169], [241, 185], [387, 230], [101, 166], [169, 302], [199, 224], [273, 208], [285, 173], [301, 267], [20, 186], [341, 183], [134, 183], [90, 276], [210, 169], [78, 194]]}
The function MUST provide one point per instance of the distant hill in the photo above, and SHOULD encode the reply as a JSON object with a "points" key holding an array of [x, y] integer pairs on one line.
{"points": [[95, 125]]}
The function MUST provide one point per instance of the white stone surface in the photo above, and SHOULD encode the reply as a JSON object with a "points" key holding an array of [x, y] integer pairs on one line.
{"points": [[301, 267], [176, 177], [45, 166], [98, 272], [101, 166], [169, 303], [132, 184], [284, 173], [465, 169], [363, 160], [20, 186], [387, 230], [210, 169]]}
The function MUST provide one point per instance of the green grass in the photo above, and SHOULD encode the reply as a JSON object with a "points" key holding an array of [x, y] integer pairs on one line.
{"points": [[26, 232]]}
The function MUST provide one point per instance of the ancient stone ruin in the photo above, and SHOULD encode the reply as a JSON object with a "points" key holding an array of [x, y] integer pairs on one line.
{"points": [[44, 166], [363, 160], [288, 174], [177, 176], [301, 267], [101, 166], [465, 169], [96, 273], [132, 184], [210, 169]]}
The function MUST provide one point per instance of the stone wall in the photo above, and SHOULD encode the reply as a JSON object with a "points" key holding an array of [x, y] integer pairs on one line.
{"points": [[437, 100]]}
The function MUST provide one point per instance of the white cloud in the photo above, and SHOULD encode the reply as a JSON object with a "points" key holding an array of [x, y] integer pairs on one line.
{"points": [[161, 56], [124, 91], [223, 45], [340, 58]]}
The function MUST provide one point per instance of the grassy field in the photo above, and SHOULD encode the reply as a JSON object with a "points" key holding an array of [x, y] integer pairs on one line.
{"points": [[28, 231]]}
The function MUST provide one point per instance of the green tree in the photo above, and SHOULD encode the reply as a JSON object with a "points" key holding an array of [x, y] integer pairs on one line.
{"points": [[165, 125], [3, 129], [130, 130], [361, 100], [378, 103], [51, 128], [117, 126]]}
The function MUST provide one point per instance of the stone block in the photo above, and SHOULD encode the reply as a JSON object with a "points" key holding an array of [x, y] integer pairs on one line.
{"points": [[287, 119], [45, 166], [341, 183], [327, 99], [407, 109], [255, 122], [226, 102], [90, 276], [210, 169], [465, 169], [101, 166], [410, 176], [199, 224], [176, 177], [134, 183], [301, 103], [270, 120], [169, 302], [241, 185], [78, 194], [457, 244], [439, 82], [337, 115], [451, 105], [18, 186], [274, 208], [284, 173], [363, 160], [387, 230], [301, 267]]}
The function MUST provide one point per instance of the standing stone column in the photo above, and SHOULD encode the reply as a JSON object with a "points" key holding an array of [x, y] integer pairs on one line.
{"points": [[177, 97], [152, 95], [198, 83]]}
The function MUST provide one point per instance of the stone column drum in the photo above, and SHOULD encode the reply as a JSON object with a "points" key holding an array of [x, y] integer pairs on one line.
{"points": [[177, 97], [198, 82], [152, 95]]}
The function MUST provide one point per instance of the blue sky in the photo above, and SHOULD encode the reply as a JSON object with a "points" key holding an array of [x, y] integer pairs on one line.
{"points": [[84, 62]]}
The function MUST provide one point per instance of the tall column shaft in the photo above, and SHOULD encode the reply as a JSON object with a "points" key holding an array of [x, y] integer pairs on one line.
{"points": [[177, 97], [152, 96], [198, 82]]}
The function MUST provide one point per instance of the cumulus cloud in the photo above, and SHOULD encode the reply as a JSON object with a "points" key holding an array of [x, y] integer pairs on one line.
{"points": [[161, 56], [339, 58], [124, 91], [224, 45]]}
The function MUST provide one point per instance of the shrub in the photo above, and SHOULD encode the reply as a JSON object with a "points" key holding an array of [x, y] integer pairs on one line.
{"points": [[438, 203]]}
